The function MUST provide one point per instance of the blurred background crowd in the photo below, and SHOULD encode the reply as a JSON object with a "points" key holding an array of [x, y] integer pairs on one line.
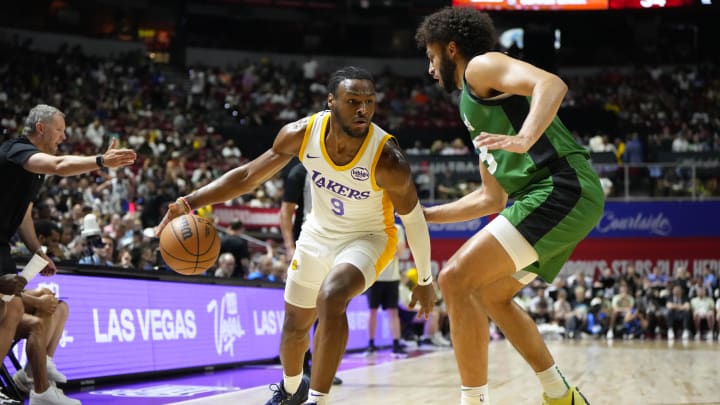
{"points": [[648, 109]]}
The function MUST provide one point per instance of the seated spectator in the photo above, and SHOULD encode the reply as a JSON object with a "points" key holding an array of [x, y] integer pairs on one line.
{"points": [[11, 312], [101, 255], [632, 279], [234, 243], [225, 266], [703, 309], [656, 278], [48, 235], [576, 320], [709, 278], [622, 304], [597, 318], [635, 323], [125, 258], [541, 306], [653, 301], [42, 325], [418, 330], [678, 310], [561, 308], [717, 316], [263, 267], [605, 284]]}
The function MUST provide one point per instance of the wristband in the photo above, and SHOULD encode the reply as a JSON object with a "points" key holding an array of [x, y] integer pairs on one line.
{"points": [[183, 202], [418, 238], [100, 161]]}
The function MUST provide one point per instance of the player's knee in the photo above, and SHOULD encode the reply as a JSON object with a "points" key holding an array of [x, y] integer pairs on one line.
{"points": [[63, 310], [295, 324], [450, 281], [333, 298], [14, 310]]}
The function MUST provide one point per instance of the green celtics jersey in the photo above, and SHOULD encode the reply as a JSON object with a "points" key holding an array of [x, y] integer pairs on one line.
{"points": [[505, 115]]}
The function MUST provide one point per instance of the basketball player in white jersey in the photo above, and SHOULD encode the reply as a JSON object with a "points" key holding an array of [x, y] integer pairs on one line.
{"points": [[358, 175]]}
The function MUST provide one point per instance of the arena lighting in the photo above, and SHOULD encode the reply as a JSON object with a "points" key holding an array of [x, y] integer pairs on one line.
{"points": [[557, 5], [516, 36]]}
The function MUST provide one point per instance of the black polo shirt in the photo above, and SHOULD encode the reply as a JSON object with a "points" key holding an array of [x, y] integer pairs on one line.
{"points": [[19, 188], [293, 190]]}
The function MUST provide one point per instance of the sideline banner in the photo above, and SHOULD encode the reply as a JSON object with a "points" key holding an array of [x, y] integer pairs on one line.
{"points": [[593, 255], [122, 326], [619, 220]]}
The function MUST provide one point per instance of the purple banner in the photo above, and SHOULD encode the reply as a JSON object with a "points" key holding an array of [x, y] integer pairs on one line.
{"points": [[122, 326]]}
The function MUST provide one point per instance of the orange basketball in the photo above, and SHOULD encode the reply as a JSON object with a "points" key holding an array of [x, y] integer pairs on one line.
{"points": [[189, 244]]}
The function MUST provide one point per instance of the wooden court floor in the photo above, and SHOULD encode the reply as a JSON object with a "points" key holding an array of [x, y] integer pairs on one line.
{"points": [[615, 372]]}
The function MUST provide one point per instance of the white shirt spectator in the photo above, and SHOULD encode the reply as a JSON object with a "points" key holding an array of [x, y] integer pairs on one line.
{"points": [[95, 133]]}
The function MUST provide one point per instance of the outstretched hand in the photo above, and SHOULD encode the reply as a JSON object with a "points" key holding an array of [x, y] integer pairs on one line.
{"points": [[114, 157], [174, 210], [425, 295]]}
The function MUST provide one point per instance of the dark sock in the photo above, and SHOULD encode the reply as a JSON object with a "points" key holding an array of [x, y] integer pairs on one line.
{"points": [[396, 344], [371, 343]]}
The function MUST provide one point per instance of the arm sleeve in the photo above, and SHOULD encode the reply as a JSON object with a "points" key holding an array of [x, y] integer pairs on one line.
{"points": [[418, 238], [293, 190]]}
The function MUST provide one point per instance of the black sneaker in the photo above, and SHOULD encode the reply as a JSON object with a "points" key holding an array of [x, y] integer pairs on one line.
{"points": [[337, 381], [398, 351], [281, 397], [370, 351]]}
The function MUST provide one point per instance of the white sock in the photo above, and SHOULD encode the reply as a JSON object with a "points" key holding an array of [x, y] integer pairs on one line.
{"points": [[474, 395], [317, 397], [553, 382], [291, 384]]}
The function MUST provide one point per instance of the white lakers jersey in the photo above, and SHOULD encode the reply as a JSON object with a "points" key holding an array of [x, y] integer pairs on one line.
{"points": [[346, 200]]}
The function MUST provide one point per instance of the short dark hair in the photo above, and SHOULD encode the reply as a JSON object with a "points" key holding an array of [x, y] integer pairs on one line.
{"points": [[472, 30], [236, 225], [345, 73], [45, 228]]}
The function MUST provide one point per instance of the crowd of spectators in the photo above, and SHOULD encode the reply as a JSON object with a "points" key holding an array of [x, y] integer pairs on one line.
{"points": [[172, 119], [627, 304]]}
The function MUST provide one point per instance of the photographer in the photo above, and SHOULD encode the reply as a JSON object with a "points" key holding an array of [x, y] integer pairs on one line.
{"points": [[100, 249]]}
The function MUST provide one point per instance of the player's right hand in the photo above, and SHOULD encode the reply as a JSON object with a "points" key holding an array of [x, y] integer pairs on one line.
{"points": [[47, 304], [12, 284], [425, 295], [174, 211]]}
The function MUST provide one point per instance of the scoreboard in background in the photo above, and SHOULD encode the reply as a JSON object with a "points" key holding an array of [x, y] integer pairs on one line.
{"points": [[572, 4]]}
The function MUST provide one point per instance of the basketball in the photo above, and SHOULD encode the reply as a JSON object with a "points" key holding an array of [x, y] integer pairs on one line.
{"points": [[189, 244]]}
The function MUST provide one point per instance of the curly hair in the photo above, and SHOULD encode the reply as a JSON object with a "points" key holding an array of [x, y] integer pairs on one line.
{"points": [[472, 31]]}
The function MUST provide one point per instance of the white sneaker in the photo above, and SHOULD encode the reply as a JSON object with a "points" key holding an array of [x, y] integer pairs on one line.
{"points": [[53, 373], [686, 334], [5, 400], [610, 335], [23, 381], [439, 340], [52, 396], [709, 336], [671, 334]]}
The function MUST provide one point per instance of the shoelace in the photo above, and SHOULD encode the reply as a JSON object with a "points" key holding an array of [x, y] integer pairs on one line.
{"points": [[279, 393]]}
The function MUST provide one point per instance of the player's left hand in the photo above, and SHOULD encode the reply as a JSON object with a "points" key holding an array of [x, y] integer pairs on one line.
{"points": [[425, 295], [515, 143]]}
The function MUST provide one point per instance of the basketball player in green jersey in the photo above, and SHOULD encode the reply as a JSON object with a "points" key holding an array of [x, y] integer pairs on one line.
{"points": [[526, 153]]}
